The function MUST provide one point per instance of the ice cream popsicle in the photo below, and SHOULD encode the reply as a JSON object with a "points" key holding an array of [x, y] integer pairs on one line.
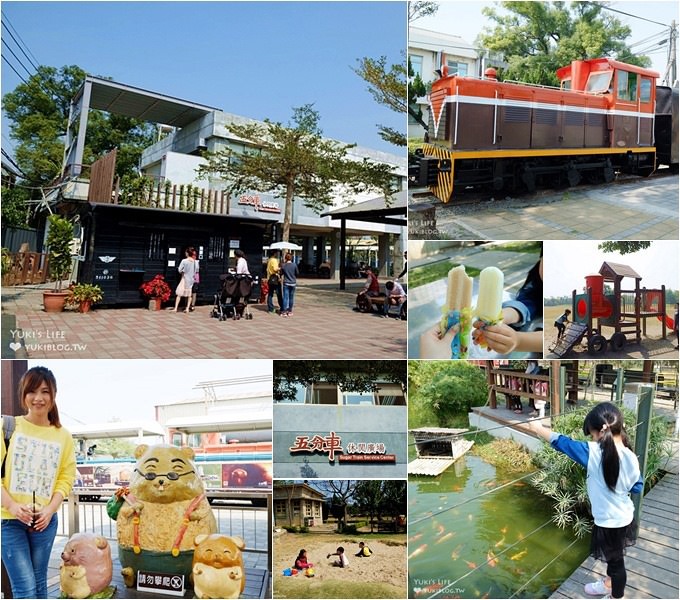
{"points": [[459, 290], [490, 300]]}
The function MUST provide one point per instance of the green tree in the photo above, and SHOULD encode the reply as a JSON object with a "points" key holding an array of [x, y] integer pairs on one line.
{"points": [[38, 112], [348, 375], [623, 247], [296, 162], [443, 389], [117, 448], [537, 38], [368, 497], [387, 85], [421, 8], [15, 206], [341, 492]]}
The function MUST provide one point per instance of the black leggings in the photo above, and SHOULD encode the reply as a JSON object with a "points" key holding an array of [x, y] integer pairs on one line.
{"points": [[616, 569]]}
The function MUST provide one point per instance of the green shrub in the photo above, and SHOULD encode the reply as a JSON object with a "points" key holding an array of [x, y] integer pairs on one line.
{"points": [[505, 454], [564, 481]]}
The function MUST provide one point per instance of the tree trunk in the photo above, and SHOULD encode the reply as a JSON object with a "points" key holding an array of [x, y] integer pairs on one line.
{"points": [[288, 213]]}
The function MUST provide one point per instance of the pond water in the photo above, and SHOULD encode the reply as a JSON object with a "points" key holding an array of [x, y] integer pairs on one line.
{"points": [[484, 548]]}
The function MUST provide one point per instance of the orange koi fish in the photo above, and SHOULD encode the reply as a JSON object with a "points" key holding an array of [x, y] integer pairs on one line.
{"points": [[491, 559], [415, 538], [444, 538], [417, 551], [519, 555], [470, 564]]}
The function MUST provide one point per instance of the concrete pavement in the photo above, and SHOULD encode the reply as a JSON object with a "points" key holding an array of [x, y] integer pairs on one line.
{"points": [[645, 209], [324, 326]]}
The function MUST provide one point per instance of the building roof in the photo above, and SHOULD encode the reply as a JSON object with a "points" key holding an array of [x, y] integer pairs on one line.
{"points": [[375, 210], [122, 99], [121, 429], [610, 269], [298, 490], [435, 41]]}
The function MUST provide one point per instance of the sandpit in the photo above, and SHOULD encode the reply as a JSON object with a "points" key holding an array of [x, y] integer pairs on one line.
{"points": [[386, 566]]}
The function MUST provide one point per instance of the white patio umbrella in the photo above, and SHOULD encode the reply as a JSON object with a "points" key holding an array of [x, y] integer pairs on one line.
{"points": [[284, 246]]}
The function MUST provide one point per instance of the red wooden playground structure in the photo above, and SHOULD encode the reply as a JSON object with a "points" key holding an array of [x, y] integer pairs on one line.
{"points": [[625, 310]]}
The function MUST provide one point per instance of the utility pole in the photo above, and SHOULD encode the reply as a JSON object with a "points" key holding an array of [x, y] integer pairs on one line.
{"points": [[671, 75]]}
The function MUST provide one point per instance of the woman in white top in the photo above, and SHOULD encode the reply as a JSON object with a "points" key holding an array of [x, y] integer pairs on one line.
{"points": [[241, 263], [187, 269]]}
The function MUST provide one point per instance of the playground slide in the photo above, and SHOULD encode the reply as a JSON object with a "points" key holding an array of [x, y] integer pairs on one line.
{"points": [[669, 321]]}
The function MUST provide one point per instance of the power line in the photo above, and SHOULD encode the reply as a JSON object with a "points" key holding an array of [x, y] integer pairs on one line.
{"points": [[6, 45], [13, 69], [7, 24], [628, 14]]}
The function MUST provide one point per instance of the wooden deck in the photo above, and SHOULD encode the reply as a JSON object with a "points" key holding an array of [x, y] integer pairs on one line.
{"points": [[652, 564]]}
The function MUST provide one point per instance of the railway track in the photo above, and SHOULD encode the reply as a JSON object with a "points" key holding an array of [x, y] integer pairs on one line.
{"points": [[473, 197]]}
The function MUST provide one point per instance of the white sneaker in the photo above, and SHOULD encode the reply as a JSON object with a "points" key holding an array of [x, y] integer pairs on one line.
{"points": [[597, 589]]}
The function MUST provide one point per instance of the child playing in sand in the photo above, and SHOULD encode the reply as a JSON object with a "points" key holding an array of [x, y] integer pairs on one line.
{"points": [[342, 561], [301, 561], [613, 474], [364, 550]]}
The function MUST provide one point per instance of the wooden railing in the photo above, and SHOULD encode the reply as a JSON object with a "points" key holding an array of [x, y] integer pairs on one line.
{"points": [[25, 268], [159, 194]]}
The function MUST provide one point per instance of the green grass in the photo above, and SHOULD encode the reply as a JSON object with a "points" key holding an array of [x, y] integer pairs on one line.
{"points": [[505, 454], [434, 272], [294, 587], [527, 247]]}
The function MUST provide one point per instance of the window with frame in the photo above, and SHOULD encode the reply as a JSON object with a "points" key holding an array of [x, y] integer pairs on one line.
{"points": [[597, 82], [216, 248], [308, 509], [296, 507], [358, 398], [457, 68], [645, 90], [390, 394], [324, 393], [155, 249], [177, 439], [280, 508], [416, 64], [626, 86]]}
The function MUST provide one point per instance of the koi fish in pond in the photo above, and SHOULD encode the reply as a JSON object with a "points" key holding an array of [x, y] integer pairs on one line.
{"points": [[455, 555], [445, 537], [499, 543], [491, 559], [519, 555], [504, 530], [417, 551], [470, 564], [415, 538]]}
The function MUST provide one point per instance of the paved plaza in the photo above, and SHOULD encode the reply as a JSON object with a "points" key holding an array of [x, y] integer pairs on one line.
{"points": [[324, 326], [644, 209]]}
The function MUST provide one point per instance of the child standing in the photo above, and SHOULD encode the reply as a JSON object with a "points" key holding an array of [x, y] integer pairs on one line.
{"points": [[561, 323], [613, 473]]}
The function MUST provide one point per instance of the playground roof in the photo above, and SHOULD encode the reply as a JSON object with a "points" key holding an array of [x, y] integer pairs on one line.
{"points": [[611, 270]]}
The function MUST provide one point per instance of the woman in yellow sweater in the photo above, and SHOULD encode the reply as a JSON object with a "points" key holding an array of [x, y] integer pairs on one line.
{"points": [[39, 469]]}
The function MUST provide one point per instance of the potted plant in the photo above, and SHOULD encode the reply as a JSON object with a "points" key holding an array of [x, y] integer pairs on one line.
{"points": [[84, 295], [157, 291], [59, 239]]}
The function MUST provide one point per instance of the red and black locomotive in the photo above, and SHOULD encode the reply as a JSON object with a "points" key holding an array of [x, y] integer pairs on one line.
{"points": [[606, 117]]}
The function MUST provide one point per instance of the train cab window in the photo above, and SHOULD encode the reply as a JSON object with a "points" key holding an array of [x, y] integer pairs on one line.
{"points": [[566, 84], [645, 90], [626, 86], [598, 83]]}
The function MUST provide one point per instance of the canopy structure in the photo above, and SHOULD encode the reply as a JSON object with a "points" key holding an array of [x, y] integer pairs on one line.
{"points": [[120, 99], [120, 429], [376, 210]]}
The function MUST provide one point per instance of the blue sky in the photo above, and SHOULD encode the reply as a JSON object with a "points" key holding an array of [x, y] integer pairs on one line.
{"points": [[256, 59]]}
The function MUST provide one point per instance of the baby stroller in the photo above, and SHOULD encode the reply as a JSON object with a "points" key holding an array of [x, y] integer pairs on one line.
{"points": [[231, 299]]}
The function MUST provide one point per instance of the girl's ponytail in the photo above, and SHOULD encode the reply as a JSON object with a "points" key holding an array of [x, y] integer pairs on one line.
{"points": [[608, 420]]}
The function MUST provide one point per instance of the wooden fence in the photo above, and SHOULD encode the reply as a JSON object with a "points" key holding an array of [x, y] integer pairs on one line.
{"points": [[24, 268]]}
